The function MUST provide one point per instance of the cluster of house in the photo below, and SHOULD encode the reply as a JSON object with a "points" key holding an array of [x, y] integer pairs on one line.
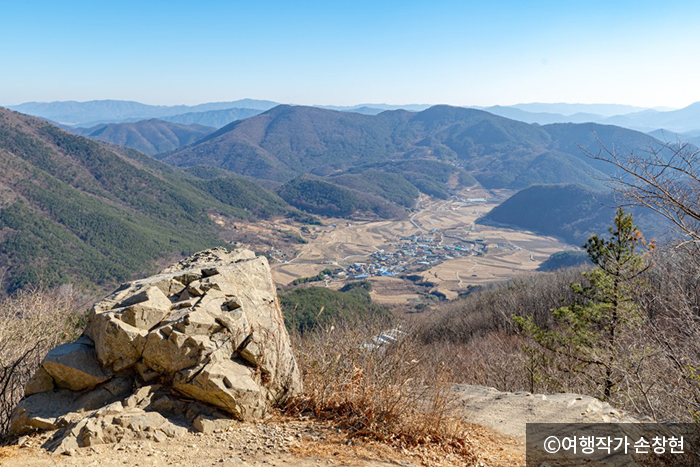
{"points": [[413, 254], [280, 255]]}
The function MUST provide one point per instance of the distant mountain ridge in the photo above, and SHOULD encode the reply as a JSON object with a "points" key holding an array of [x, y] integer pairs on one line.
{"points": [[218, 114], [112, 111], [563, 108], [375, 108], [543, 118], [667, 136], [213, 118], [288, 141]]}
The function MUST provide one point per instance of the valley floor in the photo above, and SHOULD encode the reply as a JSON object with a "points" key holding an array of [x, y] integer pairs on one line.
{"points": [[440, 244]]}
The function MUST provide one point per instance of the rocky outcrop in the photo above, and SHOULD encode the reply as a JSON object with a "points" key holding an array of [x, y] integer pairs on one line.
{"points": [[510, 412], [204, 339]]}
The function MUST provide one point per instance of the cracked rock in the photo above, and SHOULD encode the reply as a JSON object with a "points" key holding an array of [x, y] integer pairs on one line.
{"points": [[209, 328]]}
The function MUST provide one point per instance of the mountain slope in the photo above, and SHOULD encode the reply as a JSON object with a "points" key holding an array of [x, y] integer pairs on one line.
{"points": [[149, 136], [570, 212], [287, 141], [318, 196], [579, 140], [364, 191], [78, 210]]}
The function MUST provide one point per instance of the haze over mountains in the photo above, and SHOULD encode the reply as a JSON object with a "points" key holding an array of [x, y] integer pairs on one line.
{"points": [[102, 211], [683, 123], [681, 120], [116, 110], [113, 111], [563, 108]]}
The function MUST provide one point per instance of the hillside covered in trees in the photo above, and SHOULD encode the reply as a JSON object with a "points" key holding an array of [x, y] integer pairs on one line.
{"points": [[569, 212], [76, 210], [381, 190], [288, 141], [310, 308], [149, 136]]}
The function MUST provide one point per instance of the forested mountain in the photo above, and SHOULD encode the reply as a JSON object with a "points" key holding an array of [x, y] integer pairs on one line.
{"points": [[316, 195], [288, 141], [72, 209], [570, 212], [149, 136], [381, 189]]}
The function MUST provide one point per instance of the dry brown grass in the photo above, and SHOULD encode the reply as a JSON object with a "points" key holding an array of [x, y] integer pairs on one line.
{"points": [[485, 348], [31, 323], [389, 394]]}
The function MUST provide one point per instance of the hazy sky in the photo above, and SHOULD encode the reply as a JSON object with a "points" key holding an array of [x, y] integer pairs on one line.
{"points": [[346, 52]]}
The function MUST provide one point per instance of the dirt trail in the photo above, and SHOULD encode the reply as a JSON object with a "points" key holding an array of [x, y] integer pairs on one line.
{"points": [[280, 442], [497, 432]]}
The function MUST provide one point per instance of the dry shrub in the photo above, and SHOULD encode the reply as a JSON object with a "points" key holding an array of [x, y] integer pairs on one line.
{"points": [[485, 347], [670, 382], [32, 322], [494, 359], [491, 309], [390, 393]]}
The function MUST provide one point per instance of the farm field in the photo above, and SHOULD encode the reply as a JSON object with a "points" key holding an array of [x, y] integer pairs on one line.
{"points": [[497, 253]]}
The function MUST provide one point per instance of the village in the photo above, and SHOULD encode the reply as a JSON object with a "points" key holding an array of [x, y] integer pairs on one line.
{"points": [[413, 254], [404, 254], [441, 244]]}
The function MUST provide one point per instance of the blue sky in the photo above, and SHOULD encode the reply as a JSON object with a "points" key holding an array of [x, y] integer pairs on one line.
{"points": [[347, 52]]}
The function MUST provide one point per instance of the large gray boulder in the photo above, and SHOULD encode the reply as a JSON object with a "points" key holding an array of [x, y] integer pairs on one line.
{"points": [[208, 329], [73, 366]]}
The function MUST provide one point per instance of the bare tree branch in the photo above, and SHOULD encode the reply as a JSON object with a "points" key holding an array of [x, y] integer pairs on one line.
{"points": [[664, 179]]}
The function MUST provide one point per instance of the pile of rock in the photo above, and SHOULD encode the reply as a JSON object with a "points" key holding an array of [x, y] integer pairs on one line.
{"points": [[200, 341]]}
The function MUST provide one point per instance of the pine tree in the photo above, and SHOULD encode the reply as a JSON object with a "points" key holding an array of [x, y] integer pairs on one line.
{"points": [[590, 334]]}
